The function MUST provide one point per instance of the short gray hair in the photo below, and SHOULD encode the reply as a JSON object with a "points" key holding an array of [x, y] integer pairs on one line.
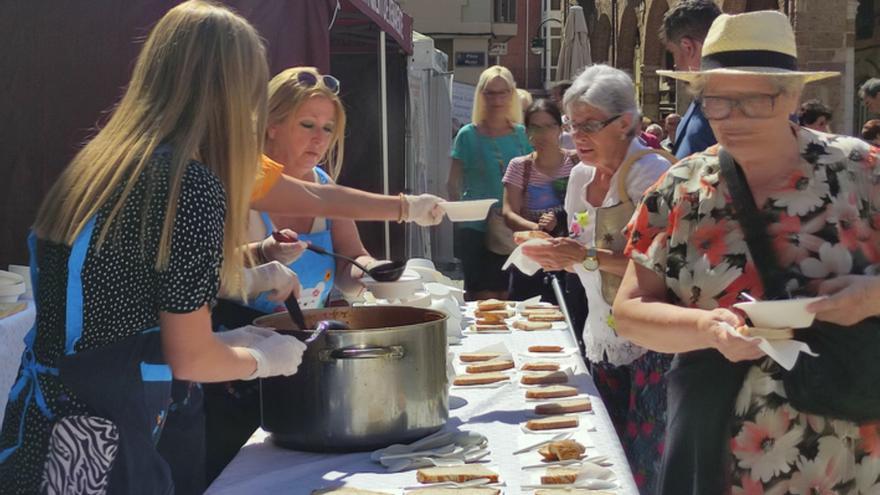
{"points": [[785, 84], [610, 90], [871, 87]]}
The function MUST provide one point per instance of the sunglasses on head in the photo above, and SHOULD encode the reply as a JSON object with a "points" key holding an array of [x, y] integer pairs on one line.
{"points": [[308, 80]]}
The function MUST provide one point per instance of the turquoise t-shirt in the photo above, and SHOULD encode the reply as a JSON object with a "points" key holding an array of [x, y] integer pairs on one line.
{"points": [[484, 160]]}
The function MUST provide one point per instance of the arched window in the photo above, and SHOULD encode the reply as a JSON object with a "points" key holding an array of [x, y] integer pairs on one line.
{"points": [[865, 20]]}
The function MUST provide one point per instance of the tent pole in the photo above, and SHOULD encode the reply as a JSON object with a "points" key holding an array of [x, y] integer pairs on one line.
{"points": [[383, 89]]}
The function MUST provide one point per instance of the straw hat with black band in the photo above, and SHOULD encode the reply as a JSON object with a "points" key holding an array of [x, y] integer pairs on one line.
{"points": [[755, 43]]}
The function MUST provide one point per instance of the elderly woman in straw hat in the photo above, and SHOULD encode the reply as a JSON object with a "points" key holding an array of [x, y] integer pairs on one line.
{"points": [[732, 423]]}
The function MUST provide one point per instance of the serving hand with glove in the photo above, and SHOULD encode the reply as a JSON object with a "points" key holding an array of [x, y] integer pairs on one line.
{"points": [[275, 354], [286, 251]]}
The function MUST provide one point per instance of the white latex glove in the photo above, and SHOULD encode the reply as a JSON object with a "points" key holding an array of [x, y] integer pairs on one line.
{"points": [[244, 336], [423, 209], [274, 277], [285, 252], [276, 355]]}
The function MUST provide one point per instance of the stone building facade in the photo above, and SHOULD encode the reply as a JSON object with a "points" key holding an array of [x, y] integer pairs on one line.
{"points": [[624, 34]]}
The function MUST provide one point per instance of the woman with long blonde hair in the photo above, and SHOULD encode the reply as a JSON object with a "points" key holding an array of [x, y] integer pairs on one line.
{"points": [[127, 254], [480, 154]]}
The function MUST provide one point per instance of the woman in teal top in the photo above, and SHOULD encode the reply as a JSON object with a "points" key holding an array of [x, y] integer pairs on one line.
{"points": [[480, 155], [305, 128]]}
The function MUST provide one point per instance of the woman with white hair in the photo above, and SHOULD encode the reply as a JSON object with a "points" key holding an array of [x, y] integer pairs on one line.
{"points": [[778, 211], [480, 154], [615, 170]]}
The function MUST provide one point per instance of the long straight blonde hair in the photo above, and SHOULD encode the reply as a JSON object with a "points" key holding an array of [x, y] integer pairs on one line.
{"points": [[199, 84], [514, 108], [286, 94]]}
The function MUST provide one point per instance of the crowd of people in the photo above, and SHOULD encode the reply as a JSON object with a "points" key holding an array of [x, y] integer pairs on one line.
{"points": [[660, 256], [189, 214]]}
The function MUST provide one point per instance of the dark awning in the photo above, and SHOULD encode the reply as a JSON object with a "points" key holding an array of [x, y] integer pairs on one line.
{"points": [[386, 14]]}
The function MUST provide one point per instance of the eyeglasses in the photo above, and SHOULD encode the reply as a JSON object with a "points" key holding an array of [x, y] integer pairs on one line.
{"points": [[588, 127], [534, 130], [752, 106], [309, 80]]}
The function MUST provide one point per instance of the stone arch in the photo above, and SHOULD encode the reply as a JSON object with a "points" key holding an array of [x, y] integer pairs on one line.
{"points": [[600, 39], [627, 39], [653, 59]]}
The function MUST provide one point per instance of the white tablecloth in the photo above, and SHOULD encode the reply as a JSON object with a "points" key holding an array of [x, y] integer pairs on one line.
{"points": [[260, 467], [12, 331]]}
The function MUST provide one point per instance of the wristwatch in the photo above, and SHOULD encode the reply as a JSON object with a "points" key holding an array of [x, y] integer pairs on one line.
{"points": [[591, 262]]}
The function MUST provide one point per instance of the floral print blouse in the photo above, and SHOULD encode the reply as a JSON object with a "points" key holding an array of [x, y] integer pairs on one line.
{"points": [[823, 223]]}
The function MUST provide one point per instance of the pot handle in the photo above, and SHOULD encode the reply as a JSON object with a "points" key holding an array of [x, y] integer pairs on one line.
{"points": [[389, 352]]}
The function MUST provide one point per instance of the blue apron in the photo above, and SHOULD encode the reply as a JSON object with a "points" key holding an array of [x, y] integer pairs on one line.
{"points": [[127, 383], [316, 272]]}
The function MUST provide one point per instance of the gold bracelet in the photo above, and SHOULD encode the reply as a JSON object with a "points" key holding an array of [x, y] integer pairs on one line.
{"points": [[402, 216]]}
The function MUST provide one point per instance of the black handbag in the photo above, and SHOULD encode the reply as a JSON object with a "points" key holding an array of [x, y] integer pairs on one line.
{"points": [[843, 381]]}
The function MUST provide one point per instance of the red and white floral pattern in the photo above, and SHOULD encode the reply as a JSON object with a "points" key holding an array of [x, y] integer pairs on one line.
{"points": [[824, 222]]}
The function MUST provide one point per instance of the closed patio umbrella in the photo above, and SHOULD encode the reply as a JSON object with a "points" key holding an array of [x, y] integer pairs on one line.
{"points": [[574, 54]]}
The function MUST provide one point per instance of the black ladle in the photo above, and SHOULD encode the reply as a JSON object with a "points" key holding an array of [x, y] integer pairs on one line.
{"points": [[387, 272]]}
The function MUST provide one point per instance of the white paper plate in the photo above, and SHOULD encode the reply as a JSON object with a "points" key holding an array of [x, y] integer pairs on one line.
{"points": [[566, 352], [467, 211]]}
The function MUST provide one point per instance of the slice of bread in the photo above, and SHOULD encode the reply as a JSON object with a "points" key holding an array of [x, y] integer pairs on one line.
{"points": [[552, 423], [562, 450], [474, 357], [487, 366], [551, 392], [554, 316], [544, 378], [491, 304], [767, 333], [539, 311], [495, 314], [540, 366], [545, 348], [522, 236], [458, 474], [456, 491], [489, 321], [546, 307], [530, 326], [479, 379], [345, 490], [564, 407], [560, 476], [490, 327]]}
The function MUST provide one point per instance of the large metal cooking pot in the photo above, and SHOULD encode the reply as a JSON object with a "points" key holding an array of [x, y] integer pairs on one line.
{"points": [[382, 382]]}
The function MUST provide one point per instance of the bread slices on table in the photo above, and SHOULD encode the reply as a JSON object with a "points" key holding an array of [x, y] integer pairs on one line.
{"points": [[479, 379], [495, 315], [456, 491], [544, 378], [474, 357], [530, 326], [571, 491], [545, 348], [548, 316], [457, 474], [767, 333], [491, 304], [560, 476], [562, 450], [541, 306], [489, 327], [487, 366], [551, 392], [564, 407], [540, 310], [540, 366], [552, 423]]}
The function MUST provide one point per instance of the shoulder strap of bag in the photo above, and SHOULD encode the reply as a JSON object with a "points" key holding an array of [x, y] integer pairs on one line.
{"points": [[627, 165], [754, 227]]}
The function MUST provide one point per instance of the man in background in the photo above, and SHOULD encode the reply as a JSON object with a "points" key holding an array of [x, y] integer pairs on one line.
{"points": [[870, 95], [815, 115], [684, 28], [670, 125]]}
